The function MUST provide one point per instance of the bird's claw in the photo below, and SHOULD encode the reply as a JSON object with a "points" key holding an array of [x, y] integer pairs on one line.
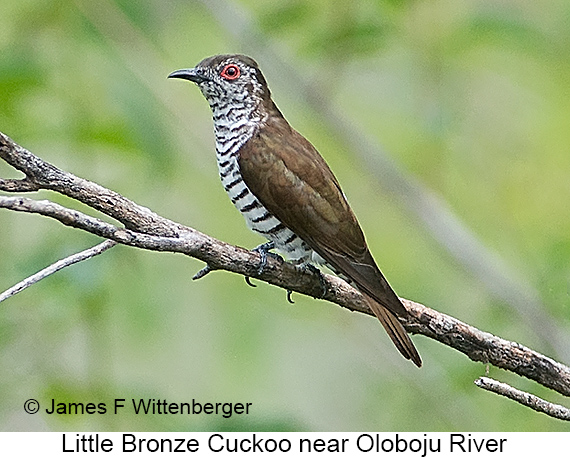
{"points": [[263, 250], [314, 270]]}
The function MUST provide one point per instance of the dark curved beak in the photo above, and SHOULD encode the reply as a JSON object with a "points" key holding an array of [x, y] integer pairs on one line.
{"points": [[191, 74]]}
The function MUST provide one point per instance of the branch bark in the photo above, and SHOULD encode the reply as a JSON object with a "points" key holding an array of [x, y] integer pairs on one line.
{"points": [[524, 398], [142, 228], [55, 267]]}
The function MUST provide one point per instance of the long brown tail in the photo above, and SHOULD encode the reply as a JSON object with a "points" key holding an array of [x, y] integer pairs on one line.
{"points": [[395, 331]]}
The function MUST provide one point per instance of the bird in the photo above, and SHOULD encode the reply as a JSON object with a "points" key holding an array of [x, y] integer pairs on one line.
{"points": [[284, 188]]}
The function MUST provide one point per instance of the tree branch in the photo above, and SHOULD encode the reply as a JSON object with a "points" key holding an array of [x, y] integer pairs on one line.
{"points": [[55, 267], [44, 175], [146, 230], [524, 398], [18, 185]]}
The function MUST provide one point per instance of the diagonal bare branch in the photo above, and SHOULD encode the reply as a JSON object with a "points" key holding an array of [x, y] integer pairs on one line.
{"points": [[44, 175], [147, 230], [57, 266], [524, 398]]}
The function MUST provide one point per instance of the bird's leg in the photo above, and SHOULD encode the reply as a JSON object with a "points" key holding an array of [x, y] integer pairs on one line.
{"points": [[263, 250]]}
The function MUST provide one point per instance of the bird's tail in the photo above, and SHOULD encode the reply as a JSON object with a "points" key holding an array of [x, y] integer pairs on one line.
{"points": [[395, 331]]}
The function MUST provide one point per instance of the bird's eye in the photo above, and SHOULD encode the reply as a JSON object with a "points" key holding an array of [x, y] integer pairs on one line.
{"points": [[230, 72]]}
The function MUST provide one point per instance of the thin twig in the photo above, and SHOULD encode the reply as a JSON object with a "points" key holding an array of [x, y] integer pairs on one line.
{"points": [[524, 398], [203, 272], [57, 266]]}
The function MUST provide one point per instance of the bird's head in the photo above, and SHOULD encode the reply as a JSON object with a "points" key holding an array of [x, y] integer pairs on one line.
{"points": [[227, 80]]}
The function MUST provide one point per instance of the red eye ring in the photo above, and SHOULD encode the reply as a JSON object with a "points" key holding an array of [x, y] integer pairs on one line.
{"points": [[230, 72]]}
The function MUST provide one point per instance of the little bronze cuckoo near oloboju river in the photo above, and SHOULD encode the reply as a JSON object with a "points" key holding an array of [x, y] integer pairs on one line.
{"points": [[284, 188]]}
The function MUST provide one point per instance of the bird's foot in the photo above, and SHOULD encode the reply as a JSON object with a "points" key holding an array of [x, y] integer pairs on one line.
{"points": [[264, 251], [314, 270]]}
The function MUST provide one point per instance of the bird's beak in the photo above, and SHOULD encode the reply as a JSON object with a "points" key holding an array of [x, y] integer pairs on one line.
{"points": [[191, 74]]}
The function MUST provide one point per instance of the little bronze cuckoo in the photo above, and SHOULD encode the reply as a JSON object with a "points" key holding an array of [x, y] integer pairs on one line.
{"points": [[284, 188]]}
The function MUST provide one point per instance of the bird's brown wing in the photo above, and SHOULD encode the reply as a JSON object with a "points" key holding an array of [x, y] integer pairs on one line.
{"points": [[292, 180]]}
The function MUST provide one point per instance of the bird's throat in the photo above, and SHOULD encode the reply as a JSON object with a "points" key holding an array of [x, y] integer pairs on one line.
{"points": [[233, 126]]}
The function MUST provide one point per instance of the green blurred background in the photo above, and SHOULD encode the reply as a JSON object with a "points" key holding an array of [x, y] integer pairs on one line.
{"points": [[447, 123]]}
